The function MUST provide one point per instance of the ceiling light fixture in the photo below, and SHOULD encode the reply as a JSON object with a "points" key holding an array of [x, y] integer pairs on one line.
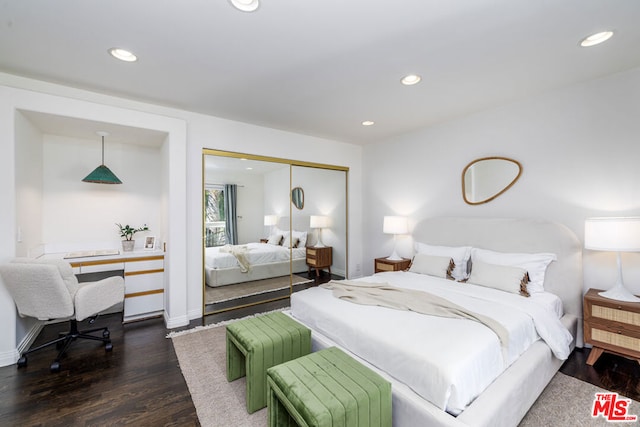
{"points": [[102, 174], [122, 54], [368, 123], [410, 79], [245, 5], [596, 38]]}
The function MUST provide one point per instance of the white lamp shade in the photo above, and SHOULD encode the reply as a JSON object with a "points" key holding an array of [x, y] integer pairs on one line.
{"points": [[270, 220], [319, 221], [612, 234], [395, 225]]}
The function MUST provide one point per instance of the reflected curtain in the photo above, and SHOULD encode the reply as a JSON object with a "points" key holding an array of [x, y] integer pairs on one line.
{"points": [[231, 217]]}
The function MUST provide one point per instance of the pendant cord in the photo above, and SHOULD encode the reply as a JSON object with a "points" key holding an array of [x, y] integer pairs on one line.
{"points": [[103, 151]]}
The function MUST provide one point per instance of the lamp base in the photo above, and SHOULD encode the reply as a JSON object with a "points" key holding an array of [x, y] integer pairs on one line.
{"points": [[619, 293], [394, 257]]}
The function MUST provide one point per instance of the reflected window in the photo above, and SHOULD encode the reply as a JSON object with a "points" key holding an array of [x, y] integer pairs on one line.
{"points": [[215, 233]]}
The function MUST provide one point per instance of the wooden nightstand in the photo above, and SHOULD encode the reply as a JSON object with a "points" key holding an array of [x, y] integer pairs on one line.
{"points": [[319, 258], [611, 326], [383, 264]]}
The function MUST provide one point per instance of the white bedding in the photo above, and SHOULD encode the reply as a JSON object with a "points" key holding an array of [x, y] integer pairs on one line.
{"points": [[257, 253], [448, 362]]}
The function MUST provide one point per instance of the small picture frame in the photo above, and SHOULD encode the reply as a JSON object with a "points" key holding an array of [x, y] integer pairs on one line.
{"points": [[149, 243]]}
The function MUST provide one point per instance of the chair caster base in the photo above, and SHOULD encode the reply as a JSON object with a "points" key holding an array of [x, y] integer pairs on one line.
{"points": [[55, 367], [22, 362], [108, 347]]}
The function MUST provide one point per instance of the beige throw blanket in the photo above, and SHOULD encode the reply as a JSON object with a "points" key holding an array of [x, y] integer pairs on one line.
{"points": [[240, 252], [385, 295]]}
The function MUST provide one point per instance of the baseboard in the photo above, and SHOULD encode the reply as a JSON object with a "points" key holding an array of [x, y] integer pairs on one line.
{"points": [[10, 357], [175, 322]]}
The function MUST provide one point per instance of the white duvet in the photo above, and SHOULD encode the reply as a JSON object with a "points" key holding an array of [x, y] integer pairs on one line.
{"points": [[257, 253], [448, 362]]}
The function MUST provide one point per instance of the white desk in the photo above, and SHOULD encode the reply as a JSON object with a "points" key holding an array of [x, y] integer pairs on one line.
{"points": [[143, 273]]}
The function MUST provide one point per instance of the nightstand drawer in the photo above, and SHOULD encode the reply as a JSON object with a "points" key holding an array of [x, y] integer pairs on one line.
{"points": [[385, 267], [616, 339], [312, 261], [384, 264], [615, 315]]}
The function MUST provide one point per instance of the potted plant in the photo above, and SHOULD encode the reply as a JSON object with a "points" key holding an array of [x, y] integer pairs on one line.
{"points": [[127, 232]]}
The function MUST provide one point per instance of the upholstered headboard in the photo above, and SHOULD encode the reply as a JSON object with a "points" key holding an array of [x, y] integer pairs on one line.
{"points": [[564, 276]]}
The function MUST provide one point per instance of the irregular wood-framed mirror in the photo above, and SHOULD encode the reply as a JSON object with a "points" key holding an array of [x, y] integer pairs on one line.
{"points": [[248, 215], [486, 178]]}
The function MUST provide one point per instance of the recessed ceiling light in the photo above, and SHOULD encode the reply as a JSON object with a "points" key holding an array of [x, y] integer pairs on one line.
{"points": [[245, 5], [595, 39], [368, 123], [411, 79], [122, 54]]}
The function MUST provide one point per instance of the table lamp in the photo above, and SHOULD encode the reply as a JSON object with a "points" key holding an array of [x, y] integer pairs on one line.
{"points": [[614, 234], [319, 222], [270, 221], [395, 225]]}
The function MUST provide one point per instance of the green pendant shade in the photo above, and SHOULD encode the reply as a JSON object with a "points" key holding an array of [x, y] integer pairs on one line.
{"points": [[102, 174]]}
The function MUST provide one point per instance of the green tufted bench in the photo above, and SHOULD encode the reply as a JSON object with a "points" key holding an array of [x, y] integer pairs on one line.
{"points": [[256, 344], [327, 388]]}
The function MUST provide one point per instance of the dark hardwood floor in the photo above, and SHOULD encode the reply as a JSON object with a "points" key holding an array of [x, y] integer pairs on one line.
{"points": [[611, 372], [140, 383]]}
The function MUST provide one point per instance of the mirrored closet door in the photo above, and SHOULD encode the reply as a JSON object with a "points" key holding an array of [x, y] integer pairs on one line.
{"points": [[261, 222]]}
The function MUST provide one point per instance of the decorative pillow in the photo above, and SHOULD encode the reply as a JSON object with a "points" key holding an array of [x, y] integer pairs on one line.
{"points": [[501, 277], [460, 256], [439, 266], [302, 238], [535, 264], [288, 243], [275, 239]]}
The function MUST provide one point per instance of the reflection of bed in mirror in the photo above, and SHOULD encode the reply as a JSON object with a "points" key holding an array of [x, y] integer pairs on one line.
{"points": [[227, 265]]}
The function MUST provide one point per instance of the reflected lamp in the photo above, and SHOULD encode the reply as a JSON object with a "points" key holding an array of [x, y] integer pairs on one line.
{"points": [[395, 225], [616, 235], [270, 221], [319, 222]]}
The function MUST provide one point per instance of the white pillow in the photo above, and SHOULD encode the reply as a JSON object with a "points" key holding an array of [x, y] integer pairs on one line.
{"points": [[438, 266], [534, 264], [288, 243], [460, 256], [501, 277], [275, 239], [302, 238]]}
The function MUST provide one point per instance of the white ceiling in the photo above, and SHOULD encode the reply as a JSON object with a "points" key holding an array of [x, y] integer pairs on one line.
{"points": [[320, 67]]}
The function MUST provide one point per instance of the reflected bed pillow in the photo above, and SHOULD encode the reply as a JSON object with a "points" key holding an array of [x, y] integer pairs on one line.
{"points": [[275, 239], [288, 243], [502, 277], [535, 264], [460, 256], [438, 266]]}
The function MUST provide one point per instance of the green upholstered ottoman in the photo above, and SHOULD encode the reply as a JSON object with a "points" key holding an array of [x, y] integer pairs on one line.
{"points": [[327, 388], [255, 344]]}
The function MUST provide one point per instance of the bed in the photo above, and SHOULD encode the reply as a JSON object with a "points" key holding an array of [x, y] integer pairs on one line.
{"points": [[474, 380], [260, 261]]}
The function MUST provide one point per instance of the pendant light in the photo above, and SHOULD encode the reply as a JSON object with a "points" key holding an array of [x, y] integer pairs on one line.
{"points": [[102, 174]]}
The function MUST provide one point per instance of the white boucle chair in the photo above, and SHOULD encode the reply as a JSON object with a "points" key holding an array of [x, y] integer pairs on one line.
{"points": [[48, 289]]}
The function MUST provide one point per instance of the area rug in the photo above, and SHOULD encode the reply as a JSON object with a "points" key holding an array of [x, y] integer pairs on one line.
{"points": [[566, 401], [255, 287]]}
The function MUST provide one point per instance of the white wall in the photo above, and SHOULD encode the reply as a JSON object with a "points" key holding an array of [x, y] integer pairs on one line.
{"points": [[579, 148], [80, 215]]}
